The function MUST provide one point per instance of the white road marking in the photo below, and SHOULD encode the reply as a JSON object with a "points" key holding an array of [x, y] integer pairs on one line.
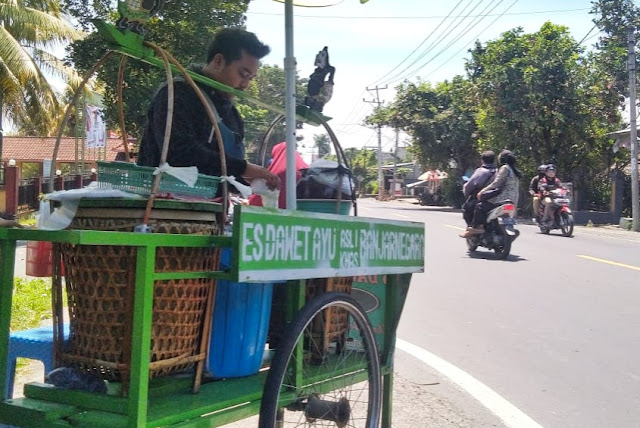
{"points": [[595, 259], [455, 227], [510, 414]]}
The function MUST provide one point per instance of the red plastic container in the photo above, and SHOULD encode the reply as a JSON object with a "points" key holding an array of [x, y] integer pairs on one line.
{"points": [[38, 262]]}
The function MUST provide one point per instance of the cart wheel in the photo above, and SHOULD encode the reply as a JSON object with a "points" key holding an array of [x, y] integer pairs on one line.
{"points": [[341, 388]]}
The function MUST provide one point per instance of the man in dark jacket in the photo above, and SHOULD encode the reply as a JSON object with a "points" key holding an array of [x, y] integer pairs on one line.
{"points": [[535, 192], [480, 178], [232, 59]]}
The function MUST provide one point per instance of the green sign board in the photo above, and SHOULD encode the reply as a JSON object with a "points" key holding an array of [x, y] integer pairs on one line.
{"points": [[278, 244]]}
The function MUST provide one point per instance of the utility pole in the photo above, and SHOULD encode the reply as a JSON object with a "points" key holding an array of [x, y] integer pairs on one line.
{"points": [[395, 166], [635, 192], [378, 103]]}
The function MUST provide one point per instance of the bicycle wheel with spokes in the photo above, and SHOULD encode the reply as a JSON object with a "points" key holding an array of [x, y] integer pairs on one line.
{"points": [[322, 376]]}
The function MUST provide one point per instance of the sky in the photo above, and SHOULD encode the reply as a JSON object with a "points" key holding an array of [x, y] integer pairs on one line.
{"points": [[383, 42]]}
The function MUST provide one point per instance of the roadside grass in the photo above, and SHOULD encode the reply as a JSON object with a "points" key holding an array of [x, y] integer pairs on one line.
{"points": [[31, 303], [31, 307]]}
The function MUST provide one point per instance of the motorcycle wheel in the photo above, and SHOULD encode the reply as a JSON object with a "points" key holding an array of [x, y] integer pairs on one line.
{"points": [[544, 230], [502, 251], [472, 245], [566, 224]]}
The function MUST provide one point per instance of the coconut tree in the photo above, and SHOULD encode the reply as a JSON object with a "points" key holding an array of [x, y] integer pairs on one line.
{"points": [[29, 31]]}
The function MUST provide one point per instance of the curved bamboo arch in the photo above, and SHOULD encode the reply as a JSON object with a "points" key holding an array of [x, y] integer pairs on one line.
{"points": [[168, 60], [342, 159]]}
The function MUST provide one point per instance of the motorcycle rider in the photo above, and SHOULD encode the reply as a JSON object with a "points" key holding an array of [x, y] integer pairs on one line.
{"points": [[535, 192], [478, 180], [546, 184], [503, 187]]}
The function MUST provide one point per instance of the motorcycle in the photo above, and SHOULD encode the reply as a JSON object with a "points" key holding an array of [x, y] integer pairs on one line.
{"points": [[562, 217], [428, 198], [499, 231]]}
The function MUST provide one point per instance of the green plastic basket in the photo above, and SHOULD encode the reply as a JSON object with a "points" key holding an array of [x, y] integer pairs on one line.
{"points": [[328, 206], [137, 179]]}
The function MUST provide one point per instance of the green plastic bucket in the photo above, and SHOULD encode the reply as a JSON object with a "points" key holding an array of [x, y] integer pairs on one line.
{"points": [[329, 206]]}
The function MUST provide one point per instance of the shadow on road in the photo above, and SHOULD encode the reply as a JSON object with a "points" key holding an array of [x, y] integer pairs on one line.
{"points": [[417, 207], [490, 255]]}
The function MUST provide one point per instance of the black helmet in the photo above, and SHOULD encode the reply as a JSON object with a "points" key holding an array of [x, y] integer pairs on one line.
{"points": [[542, 169], [550, 167], [507, 157]]}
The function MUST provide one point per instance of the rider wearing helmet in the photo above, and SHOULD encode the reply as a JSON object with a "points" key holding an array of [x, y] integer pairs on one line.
{"points": [[533, 189], [546, 184], [503, 187]]}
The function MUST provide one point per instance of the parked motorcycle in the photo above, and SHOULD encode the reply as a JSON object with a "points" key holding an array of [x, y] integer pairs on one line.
{"points": [[562, 217], [428, 198], [499, 231]]}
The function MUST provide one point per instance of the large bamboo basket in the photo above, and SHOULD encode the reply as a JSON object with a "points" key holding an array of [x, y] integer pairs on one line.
{"points": [[100, 284]]}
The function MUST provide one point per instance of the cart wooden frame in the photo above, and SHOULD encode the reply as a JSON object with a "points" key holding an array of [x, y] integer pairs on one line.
{"points": [[168, 401]]}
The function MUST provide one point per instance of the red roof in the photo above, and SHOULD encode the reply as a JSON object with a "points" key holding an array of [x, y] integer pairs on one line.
{"points": [[35, 149]]}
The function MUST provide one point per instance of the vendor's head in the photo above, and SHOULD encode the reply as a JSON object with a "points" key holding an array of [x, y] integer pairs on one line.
{"points": [[488, 157], [233, 58]]}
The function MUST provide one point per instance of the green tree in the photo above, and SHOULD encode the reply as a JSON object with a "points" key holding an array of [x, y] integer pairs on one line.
{"points": [[268, 86], [184, 29], [439, 121], [615, 18], [322, 144], [535, 94], [364, 164], [28, 31]]}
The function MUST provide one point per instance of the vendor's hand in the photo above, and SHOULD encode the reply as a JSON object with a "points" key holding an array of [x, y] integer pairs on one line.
{"points": [[254, 171], [531, 192]]}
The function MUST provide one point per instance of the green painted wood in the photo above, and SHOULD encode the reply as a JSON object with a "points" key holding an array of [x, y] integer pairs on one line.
{"points": [[110, 402], [221, 418], [213, 396], [29, 412], [98, 237], [96, 419], [141, 336], [7, 262]]}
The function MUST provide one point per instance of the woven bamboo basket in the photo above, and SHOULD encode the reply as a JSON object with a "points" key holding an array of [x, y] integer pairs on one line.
{"points": [[332, 327], [100, 284]]}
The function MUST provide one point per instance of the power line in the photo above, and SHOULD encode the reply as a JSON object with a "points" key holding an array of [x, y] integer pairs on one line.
{"points": [[431, 47], [417, 17], [474, 38], [587, 35], [421, 43]]}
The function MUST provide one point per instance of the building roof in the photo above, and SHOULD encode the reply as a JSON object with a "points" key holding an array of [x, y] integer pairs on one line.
{"points": [[36, 149]]}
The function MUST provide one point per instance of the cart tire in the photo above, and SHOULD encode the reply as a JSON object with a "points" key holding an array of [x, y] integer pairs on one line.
{"points": [[352, 404]]}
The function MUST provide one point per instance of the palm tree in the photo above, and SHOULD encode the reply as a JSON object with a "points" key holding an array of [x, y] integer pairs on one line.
{"points": [[29, 29]]}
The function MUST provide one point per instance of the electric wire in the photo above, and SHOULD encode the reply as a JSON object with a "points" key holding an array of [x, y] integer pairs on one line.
{"points": [[545, 12], [417, 47], [474, 38], [432, 46]]}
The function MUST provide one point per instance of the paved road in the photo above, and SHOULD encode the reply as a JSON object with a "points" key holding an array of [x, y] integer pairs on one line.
{"points": [[553, 330]]}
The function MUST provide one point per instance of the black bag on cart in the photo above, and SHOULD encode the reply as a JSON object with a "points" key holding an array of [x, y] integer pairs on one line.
{"points": [[324, 179]]}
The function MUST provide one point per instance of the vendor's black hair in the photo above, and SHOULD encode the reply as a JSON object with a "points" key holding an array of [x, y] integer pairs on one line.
{"points": [[230, 42]]}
